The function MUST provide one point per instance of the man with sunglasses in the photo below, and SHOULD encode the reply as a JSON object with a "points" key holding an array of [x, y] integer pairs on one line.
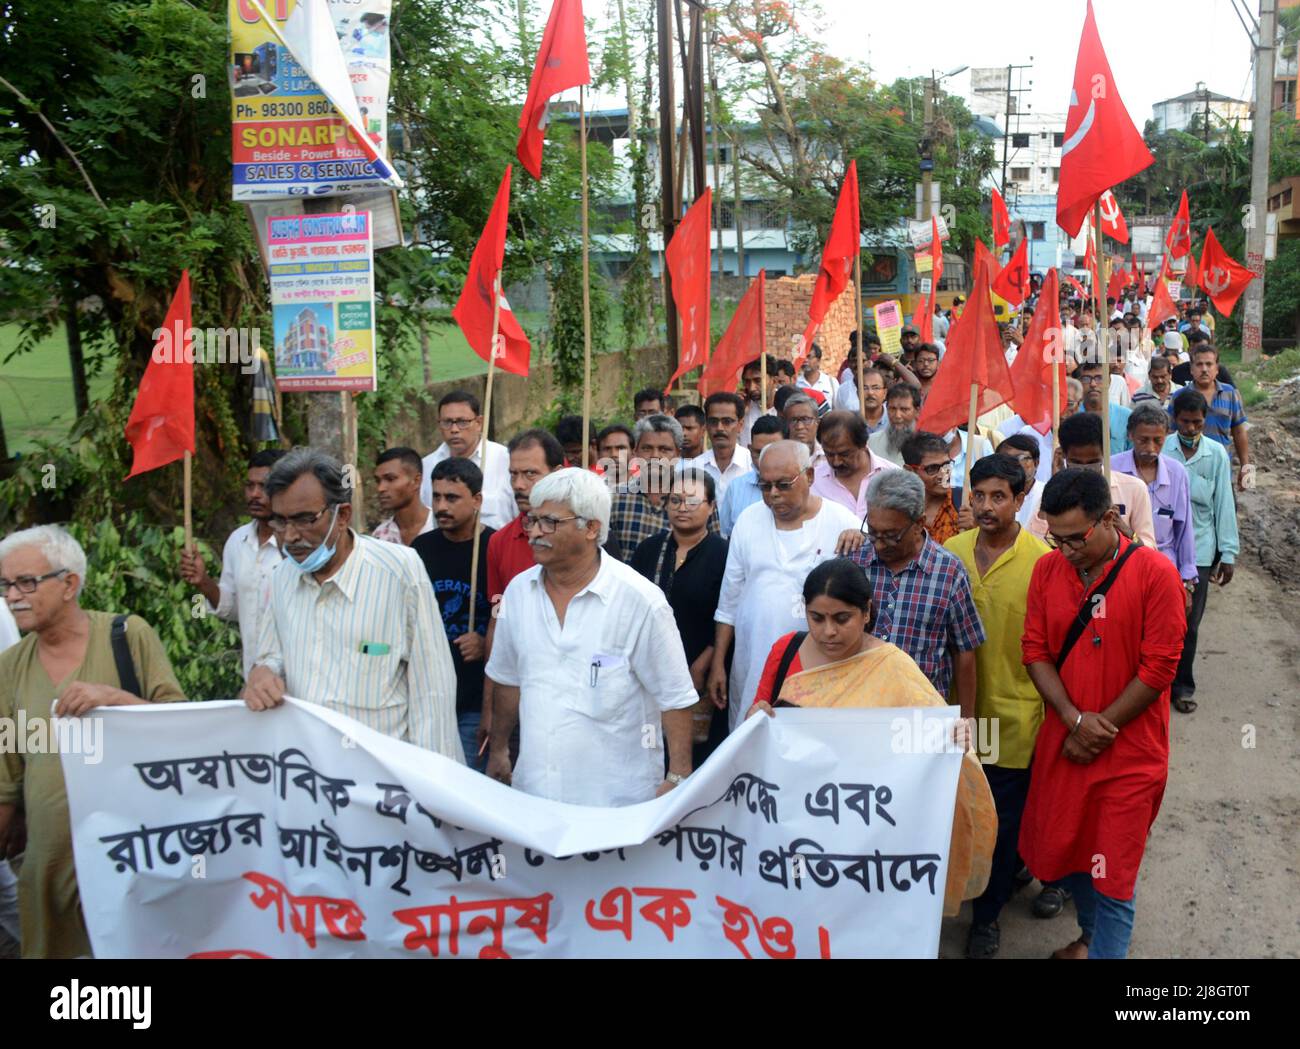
{"points": [[771, 550], [1104, 627], [353, 623], [922, 596]]}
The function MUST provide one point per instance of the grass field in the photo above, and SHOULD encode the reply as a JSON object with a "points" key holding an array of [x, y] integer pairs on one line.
{"points": [[36, 390]]}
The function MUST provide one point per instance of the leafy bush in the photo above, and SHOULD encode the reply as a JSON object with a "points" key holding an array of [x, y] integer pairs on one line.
{"points": [[136, 569]]}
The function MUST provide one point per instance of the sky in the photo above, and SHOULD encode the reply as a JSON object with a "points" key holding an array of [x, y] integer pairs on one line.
{"points": [[1157, 48]]}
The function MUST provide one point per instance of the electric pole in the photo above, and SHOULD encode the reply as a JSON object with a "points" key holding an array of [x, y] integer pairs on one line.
{"points": [[1256, 227], [927, 149]]}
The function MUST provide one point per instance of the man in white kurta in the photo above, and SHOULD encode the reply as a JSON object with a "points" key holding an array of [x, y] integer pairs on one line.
{"points": [[587, 657], [773, 547]]}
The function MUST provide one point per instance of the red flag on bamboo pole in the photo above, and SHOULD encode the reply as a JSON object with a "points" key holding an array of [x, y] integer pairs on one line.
{"points": [[1102, 148], [1042, 351], [1179, 238], [974, 357], [1112, 219], [744, 340], [1222, 276], [843, 244], [161, 426], [925, 323], [561, 64], [1162, 306], [1012, 284], [687, 258], [473, 310]]}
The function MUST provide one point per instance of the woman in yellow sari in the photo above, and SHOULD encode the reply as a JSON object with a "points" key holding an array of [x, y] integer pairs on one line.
{"points": [[838, 663]]}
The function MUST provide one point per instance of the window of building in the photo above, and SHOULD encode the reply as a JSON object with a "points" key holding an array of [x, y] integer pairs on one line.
{"points": [[1037, 230], [1020, 141], [1020, 174], [1058, 139], [1056, 175]]}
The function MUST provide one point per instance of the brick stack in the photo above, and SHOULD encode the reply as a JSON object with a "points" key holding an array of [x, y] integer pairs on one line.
{"points": [[787, 316]]}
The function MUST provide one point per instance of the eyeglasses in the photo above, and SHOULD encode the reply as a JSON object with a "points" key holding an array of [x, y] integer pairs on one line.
{"points": [[278, 523], [801, 420], [1024, 459], [724, 420], [27, 584], [885, 538], [456, 424], [780, 486], [546, 525], [676, 501], [935, 469], [1072, 542], [1092, 380]]}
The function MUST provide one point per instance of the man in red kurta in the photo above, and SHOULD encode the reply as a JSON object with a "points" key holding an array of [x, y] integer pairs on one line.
{"points": [[1102, 756]]}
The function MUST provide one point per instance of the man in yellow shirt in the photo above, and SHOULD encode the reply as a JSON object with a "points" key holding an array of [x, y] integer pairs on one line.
{"points": [[999, 557]]}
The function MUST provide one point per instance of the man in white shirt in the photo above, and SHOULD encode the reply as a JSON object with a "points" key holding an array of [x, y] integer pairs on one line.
{"points": [[772, 548], [585, 658], [726, 459], [252, 552], [398, 473], [460, 419], [874, 384], [813, 378], [353, 623]]}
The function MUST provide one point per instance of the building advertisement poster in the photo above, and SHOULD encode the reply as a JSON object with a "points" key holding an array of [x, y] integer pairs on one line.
{"points": [[289, 140], [322, 301]]}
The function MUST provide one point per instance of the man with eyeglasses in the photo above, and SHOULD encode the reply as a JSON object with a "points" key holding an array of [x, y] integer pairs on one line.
{"points": [[460, 420], [873, 391], [252, 552], [1101, 759], [926, 455], [922, 596], [925, 365], [1079, 440], [586, 658], [725, 460], [353, 623], [744, 491], [847, 463], [1093, 377], [799, 412], [771, 550]]}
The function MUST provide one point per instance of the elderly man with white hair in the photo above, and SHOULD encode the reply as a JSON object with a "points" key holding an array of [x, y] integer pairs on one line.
{"points": [[772, 549], [587, 660], [84, 659]]}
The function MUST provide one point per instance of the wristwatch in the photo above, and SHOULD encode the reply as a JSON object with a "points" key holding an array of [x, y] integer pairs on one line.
{"points": [[674, 778]]}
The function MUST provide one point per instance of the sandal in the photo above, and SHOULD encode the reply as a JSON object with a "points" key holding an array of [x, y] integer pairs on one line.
{"points": [[1070, 952], [1184, 704]]}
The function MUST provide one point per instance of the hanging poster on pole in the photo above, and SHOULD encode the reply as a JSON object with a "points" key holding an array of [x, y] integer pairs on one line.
{"points": [[889, 325], [322, 301], [288, 137]]}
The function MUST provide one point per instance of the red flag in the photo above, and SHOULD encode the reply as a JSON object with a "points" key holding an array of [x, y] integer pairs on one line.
{"points": [[984, 256], [1083, 293], [1139, 277], [1179, 238], [1192, 274], [1012, 284], [1001, 221], [1102, 147], [473, 310], [1118, 282], [561, 64], [842, 246], [1223, 278], [1162, 306], [744, 340], [925, 323], [1042, 350], [974, 356], [161, 425], [1112, 219], [687, 256]]}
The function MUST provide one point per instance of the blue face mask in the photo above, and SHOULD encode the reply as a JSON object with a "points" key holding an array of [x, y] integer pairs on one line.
{"points": [[319, 557], [1189, 442]]}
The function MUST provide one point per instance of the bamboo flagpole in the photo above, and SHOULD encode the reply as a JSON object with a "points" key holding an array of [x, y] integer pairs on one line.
{"points": [[970, 442], [862, 335], [188, 501], [1103, 336], [483, 443], [586, 288]]}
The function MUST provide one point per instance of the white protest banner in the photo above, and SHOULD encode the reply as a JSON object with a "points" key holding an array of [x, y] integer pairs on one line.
{"points": [[209, 830]]}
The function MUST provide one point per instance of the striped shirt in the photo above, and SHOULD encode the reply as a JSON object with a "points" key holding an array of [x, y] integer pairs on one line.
{"points": [[1226, 411], [381, 598], [927, 609]]}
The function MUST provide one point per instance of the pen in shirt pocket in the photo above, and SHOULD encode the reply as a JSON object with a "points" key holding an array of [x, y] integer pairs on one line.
{"points": [[374, 648]]}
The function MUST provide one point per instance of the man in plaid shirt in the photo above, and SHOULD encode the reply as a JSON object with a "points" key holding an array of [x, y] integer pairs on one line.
{"points": [[922, 596], [639, 507]]}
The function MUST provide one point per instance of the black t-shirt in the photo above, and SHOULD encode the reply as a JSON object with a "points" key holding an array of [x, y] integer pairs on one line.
{"points": [[692, 590], [448, 566], [1182, 374]]}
